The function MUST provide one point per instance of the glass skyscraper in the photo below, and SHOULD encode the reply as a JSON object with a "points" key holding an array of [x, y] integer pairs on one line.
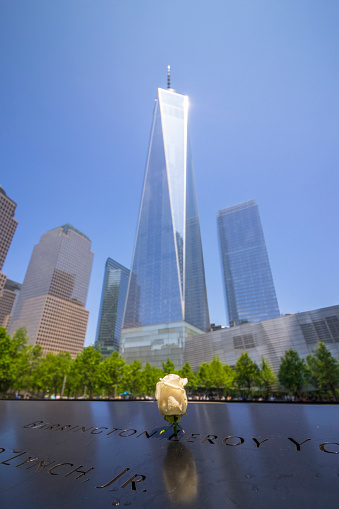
{"points": [[112, 307], [249, 287], [51, 303], [167, 281]]}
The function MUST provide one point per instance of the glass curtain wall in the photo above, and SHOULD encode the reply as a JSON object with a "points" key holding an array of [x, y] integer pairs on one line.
{"points": [[112, 306], [167, 281], [249, 287]]}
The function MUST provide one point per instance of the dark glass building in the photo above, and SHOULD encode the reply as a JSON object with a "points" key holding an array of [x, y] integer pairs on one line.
{"points": [[167, 282], [113, 298], [9, 295], [249, 287]]}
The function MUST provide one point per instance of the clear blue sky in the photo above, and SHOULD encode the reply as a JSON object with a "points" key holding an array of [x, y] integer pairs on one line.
{"points": [[77, 89]]}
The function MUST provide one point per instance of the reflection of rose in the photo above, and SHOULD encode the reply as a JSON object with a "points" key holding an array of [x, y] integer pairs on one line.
{"points": [[171, 395], [180, 474]]}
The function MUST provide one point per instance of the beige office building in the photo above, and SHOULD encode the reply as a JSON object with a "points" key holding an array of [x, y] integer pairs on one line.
{"points": [[7, 229], [51, 304]]}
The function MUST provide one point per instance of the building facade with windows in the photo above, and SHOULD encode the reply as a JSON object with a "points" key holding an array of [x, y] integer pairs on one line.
{"points": [[248, 283], [167, 296], [7, 229], [270, 338], [8, 298], [51, 303], [112, 305]]}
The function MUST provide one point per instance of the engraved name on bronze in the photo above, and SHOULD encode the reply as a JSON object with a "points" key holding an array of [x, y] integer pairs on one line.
{"points": [[69, 469], [209, 439]]}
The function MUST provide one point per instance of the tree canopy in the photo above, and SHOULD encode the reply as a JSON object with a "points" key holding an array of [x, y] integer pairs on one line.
{"points": [[322, 369], [266, 377], [291, 372], [23, 368], [246, 372]]}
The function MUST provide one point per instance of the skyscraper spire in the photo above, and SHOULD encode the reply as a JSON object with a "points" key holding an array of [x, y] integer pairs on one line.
{"points": [[167, 279], [168, 77]]}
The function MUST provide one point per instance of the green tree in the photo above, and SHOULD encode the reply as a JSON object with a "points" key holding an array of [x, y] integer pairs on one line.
{"points": [[168, 367], [291, 372], [246, 372], [186, 372], [230, 376], [111, 373], [10, 351], [204, 376], [266, 377], [27, 362], [132, 380], [7, 367], [50, 372], [151, 376], [217, 375], [57, 367], [74, 383], [39, 379], [85, 370], [322, 369]]}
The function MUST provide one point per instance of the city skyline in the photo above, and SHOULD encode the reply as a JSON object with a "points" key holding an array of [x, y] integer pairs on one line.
{"points": [[262, 80]]}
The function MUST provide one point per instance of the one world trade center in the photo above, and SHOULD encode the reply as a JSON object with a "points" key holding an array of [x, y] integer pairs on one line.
{"points": [[166, 299]]}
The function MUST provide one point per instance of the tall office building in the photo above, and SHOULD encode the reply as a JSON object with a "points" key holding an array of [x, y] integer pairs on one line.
{"points": [[51, 304], [249, 288], [113, 298], [8, 298], [7, 229], [166, 299]]}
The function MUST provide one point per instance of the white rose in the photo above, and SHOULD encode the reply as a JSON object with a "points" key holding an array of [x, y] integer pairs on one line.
{"points": [[171, 395]]}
